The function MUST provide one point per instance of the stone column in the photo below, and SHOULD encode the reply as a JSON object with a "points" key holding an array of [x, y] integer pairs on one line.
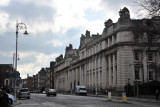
{"points": [[80, 70], [114, 70], [95, 71], [92, 77], [89, 73], [109, 56], [76, 76], [71, 83], [112, 39], [68, 80], [73, 78], [104, 71], [144, 71], [108, 42], [99, 80]]}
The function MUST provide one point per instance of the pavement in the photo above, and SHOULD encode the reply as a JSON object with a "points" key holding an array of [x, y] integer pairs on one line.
{"points": [[128, 99]]}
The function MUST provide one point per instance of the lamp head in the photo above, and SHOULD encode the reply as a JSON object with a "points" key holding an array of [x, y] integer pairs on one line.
{"points": [[25, 33]]}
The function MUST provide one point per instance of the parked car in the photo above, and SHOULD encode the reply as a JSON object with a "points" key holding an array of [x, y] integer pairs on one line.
{"points": [[51, 92], [23, 93], [80, 90], [12, 99]]}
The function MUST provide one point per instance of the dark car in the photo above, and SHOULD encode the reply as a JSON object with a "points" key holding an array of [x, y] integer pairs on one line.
{"points": [[51, 92]]}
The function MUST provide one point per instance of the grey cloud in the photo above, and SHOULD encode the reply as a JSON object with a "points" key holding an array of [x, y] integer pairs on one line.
{"points": [[115, 5], [27, 60], [7, 41], [5, 59], [38, 43], [28, 11]]}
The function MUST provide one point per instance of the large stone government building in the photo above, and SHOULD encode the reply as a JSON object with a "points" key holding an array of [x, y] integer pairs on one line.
{"points": [[127, 52]]}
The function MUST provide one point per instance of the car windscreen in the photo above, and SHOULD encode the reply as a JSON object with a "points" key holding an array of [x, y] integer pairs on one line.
{"points": [[52, 90], [82, 88], [24, 90]]}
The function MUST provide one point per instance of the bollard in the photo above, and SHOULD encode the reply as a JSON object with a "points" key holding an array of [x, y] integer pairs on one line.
{"points": [[124, 98], [109, 95]]}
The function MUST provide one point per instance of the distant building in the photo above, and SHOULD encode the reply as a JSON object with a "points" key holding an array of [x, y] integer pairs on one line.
{"points": [[52, 64], [29, 83], [23, 83], [35, 83], [43, 83], [126, 53]]}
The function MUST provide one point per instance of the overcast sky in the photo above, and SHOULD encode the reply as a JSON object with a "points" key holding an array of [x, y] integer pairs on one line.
{"points": [[52, 25]]}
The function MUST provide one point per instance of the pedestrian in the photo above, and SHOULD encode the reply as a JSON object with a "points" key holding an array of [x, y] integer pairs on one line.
{"points": [[157, 95], [4, 98]]}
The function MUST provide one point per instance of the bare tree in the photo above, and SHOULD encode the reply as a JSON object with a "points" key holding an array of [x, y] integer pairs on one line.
{"points": [[151, 6]]}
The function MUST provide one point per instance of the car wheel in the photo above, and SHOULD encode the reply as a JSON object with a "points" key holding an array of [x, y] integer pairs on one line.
{"points": [[28, 97], [10, 102]]}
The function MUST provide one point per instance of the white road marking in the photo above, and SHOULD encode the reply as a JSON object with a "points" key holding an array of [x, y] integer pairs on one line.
{"points": [[31, 104]]}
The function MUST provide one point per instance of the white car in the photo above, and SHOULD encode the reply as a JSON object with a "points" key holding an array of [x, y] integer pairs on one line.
{"points": [[12, 99], [81, 90], [23, 93]]}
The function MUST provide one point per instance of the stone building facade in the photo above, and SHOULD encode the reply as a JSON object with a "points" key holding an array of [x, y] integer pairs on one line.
{"points": [[127, 52], [43, 79]]}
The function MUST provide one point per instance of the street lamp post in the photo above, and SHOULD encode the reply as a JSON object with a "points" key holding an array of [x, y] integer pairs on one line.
{"points": [[18, 27]]}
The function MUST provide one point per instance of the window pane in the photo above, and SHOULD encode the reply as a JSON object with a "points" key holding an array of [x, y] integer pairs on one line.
{"points": [[7, 82], [137, 73], [150, 56], [150, 75], [136, 54]]}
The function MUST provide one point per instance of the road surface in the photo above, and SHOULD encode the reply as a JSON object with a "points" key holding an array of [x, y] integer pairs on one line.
{"points": [[40, 100]]}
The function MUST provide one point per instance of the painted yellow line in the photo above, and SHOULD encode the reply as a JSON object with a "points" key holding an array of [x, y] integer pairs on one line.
{"points": [[52, 105], [21, 102]]}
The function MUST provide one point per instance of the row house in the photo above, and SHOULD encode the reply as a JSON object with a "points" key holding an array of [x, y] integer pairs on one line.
{"points": [[23, 83], [29, 83], [8, 76], [127, 52], [35, 83]]}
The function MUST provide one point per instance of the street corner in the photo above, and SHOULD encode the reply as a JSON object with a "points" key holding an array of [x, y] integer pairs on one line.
{"points": [[125, 102], [108, 100], [117, 101], [19, 102], [111, 100]]}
